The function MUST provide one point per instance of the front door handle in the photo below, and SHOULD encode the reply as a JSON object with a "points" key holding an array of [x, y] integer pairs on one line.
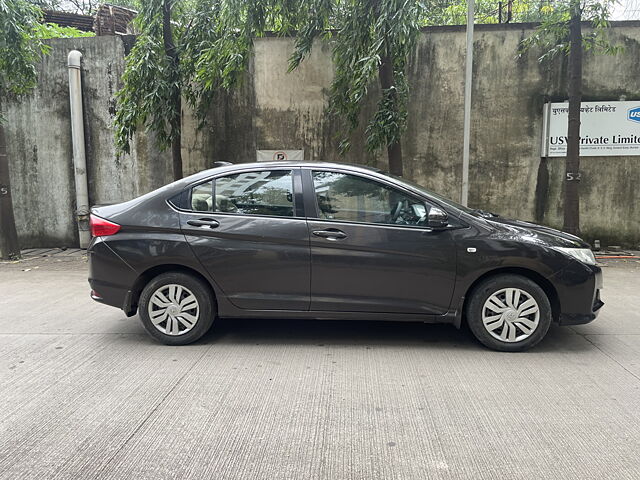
{"points": [[204, 222], [330, 234]]}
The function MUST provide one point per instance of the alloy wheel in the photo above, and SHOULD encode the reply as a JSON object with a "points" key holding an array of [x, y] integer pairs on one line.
{"points": [[510, 315], [174, 309]]}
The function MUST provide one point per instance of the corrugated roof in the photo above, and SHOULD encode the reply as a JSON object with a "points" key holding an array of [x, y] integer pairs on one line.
{"points": [[66, 19]]}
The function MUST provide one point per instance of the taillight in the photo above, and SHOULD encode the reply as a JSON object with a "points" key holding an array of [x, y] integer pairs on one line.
{"points": [[101, 227]]}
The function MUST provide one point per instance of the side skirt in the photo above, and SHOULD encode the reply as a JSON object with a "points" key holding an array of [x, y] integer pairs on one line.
{"points": [[331, 315]]}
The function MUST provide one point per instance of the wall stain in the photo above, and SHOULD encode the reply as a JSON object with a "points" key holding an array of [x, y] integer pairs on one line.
{"points": [[542, 191]]}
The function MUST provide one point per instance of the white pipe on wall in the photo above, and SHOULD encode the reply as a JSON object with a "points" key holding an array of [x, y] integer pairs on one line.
{"points": [[77, 137]]}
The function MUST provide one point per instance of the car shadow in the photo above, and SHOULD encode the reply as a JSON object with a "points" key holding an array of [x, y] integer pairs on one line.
{"points": [[368, 333]]}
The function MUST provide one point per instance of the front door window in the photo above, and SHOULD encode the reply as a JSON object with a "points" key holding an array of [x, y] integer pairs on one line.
{"points": [[351, 198]]}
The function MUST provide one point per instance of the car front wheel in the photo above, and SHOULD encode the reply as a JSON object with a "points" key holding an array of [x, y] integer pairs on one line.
{"points": [[509, 313], [176, 308]]}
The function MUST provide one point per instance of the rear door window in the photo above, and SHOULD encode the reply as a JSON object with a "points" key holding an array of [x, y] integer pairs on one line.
{"points": [[202, 197], [264, 192]]}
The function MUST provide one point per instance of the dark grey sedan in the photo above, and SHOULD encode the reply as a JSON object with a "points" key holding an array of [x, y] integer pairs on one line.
{"points": [[332, 241]]}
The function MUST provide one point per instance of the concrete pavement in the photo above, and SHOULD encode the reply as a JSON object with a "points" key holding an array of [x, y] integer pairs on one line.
{"points": [[85, 393]]}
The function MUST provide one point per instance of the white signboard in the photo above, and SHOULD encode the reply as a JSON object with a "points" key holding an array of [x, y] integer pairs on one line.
{"points": [[279, 155], [606, 129]]}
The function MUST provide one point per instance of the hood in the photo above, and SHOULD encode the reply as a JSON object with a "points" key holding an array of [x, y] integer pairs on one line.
{"points": [[536, 233]]}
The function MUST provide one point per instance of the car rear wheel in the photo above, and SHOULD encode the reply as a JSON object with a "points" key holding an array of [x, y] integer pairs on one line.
{"points": [[509, 313], [176, 308]]}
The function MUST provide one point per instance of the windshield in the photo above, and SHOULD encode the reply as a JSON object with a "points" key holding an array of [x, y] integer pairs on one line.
{"points": [[440, 198]]}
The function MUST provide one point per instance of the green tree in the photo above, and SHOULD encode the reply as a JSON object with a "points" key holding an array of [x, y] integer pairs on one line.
{"points": [[152, 83], [371, 41], [447, 12], [187, 49], [20, 49], [53, 30], [561, 33], [194, 49]]}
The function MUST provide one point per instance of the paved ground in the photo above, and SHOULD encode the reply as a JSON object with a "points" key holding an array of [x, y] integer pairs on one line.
{"points": [[84, 393]]}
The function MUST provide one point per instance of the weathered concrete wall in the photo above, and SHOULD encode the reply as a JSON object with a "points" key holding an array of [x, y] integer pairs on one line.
{"points": [[274, 110], [506, 172], [40, 151], [507, 114]]}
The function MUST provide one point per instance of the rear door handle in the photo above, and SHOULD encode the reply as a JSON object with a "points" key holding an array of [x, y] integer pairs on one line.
{"points": [[204, 222], [330, 234]]}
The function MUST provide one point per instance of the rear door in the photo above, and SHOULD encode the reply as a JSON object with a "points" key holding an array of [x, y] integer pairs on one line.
{"points": [[369, 252], [248, 230]]}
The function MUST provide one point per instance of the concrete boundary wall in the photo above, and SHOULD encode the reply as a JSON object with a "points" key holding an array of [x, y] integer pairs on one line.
{"points": [[277, 110]]}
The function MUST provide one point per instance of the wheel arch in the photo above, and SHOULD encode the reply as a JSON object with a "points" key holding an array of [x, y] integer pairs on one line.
{"points": [[532, 275], [145, 277]]}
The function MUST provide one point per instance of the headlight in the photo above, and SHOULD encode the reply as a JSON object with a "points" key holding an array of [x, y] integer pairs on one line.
{"points": [[583, 255]]}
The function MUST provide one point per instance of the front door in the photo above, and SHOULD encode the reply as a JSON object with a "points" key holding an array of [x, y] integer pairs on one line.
{"points": [[369, 252], [249, 235]]}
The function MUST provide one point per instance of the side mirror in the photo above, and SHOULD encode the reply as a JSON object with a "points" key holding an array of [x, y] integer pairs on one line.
{"points": [[437, 218]]}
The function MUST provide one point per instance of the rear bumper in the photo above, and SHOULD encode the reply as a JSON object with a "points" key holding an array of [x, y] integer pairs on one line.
{"points": [[579, 288], [110, 277]]}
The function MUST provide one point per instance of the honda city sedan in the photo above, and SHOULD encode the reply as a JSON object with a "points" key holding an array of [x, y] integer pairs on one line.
{"points": [[331, 241]]}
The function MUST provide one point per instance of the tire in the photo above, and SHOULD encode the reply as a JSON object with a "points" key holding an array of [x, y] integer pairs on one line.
{"points": [[495, 322], [176, 308]]}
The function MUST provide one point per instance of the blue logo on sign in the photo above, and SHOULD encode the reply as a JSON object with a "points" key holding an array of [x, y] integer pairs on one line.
{"points": [[634, 114]]}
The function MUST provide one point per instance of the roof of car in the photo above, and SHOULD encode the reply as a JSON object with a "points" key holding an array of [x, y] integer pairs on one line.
{"points": [[226, 166], [299, 163]]}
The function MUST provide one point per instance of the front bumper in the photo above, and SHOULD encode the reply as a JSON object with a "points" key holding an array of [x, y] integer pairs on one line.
{"points": [[579, 288]]}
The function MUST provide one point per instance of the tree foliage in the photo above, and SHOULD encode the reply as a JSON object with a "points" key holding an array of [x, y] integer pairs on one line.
{"points": [[552, 35], [53, 30], [370, 39], [447, 12], [213, 39], [20, 46], [366, 33], [144, 98], [363, 35]]}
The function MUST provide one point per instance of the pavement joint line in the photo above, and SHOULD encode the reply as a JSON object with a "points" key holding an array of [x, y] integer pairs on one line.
{"points": [[601, 334], [607, 334], [611, 358], [151, 413]]}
